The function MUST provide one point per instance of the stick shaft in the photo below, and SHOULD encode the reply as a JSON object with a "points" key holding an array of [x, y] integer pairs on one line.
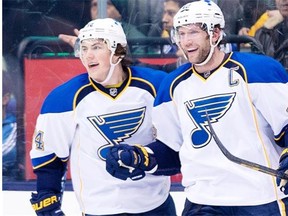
{"points": [[243, 162]]}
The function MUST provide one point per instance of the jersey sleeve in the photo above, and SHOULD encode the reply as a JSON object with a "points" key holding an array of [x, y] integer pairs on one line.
{"points": [[152, 76], [168, 160], [50, 147], [52, 137], [55, 126], [268, 85], [165, 116], [54, 132]]}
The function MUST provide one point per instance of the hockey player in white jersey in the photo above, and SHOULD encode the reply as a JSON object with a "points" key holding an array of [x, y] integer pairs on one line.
{"points": [[81, 119], [243, 96]]}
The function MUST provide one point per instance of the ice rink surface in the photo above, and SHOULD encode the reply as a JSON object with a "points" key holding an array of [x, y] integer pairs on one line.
{"points": [[17, 203]]}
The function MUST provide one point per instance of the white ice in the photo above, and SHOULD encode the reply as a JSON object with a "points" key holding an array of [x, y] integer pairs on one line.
{"points": [[17, 203]]}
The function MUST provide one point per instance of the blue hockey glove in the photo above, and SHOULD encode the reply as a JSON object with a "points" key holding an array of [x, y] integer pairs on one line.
{"points": [[283, 168], [46, 204], [125, 161]]}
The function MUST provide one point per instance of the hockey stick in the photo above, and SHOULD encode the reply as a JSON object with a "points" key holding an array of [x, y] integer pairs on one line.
{"points": [[244, 162]]}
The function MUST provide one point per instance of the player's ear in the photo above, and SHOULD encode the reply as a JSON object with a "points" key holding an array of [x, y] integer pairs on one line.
{"points": [[216, 35], [117, 58]]}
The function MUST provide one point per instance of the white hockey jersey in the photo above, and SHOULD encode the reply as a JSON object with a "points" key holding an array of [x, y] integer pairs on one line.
{"points": [[246, 98], [80, 119]]}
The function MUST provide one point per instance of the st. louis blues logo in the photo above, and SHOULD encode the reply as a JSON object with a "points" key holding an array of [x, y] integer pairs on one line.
{"points": [[116, 127], [215, 107]]}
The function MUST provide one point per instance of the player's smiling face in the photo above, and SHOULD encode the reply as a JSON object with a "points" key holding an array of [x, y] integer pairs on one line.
{"points": [[95, 57], [194, 42]]}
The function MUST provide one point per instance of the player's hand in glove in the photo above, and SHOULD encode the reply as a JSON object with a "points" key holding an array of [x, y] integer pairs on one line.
{"points": [[125, 161], [283, 168], [46, 204]]}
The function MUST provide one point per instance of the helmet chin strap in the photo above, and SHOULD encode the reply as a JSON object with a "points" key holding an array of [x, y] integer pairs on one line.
{"points": [[111, 70], [212, 48]]}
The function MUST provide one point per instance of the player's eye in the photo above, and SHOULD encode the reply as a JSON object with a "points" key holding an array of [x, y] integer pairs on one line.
{"points": [[97, 47], [84, 49]]}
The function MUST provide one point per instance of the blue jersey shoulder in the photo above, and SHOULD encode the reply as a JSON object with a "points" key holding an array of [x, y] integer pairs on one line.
{"points": [[170, 82], [261, 68], [147, 78], [149, 74], [61, 98]]}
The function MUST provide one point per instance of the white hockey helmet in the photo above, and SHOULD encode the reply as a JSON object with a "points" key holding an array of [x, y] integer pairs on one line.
{"points": [[203, 11], [108, 29]]}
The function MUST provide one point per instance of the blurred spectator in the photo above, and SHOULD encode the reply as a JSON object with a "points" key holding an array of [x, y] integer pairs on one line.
{"points": [[255, 13], [259, 23], [233, 12], [171, 7], [118, 10], [115, 8], [273, 36], [112, 11], [147, 15], [9, 126]]}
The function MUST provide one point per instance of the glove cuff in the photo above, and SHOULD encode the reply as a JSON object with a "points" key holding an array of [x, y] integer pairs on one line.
{"points": [[45, 202], [284, 154], [148, 160]]}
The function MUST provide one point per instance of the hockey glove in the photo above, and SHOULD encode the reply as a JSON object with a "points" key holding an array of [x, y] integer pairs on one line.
{"points": [[46, 204], [125, 161], [283, 168]]}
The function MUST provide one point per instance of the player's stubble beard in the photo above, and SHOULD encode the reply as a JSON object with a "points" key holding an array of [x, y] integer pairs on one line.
{"points": [[202, 53]]}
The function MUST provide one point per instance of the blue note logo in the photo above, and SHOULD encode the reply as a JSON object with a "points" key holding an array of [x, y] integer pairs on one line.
{"points": [[116, 127], [215, 106]]}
